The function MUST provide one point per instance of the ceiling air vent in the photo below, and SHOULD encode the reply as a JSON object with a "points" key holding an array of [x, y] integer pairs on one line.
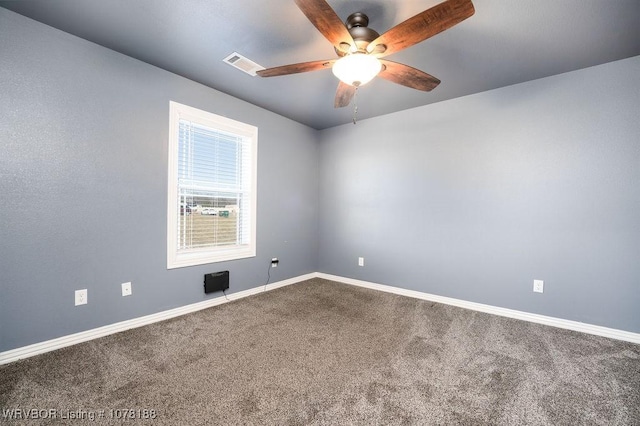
{"points": [[242, 63]]}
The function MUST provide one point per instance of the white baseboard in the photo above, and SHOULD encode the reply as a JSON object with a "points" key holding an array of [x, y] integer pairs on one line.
{"points": [[72, 339], [503, 312]]}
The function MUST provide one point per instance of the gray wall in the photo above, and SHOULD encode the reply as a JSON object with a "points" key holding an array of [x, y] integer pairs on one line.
{"points": [[476, 197], [83, 178]]}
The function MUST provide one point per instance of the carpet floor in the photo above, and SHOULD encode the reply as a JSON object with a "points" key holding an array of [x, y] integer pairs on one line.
{"points": [[320, 352]]}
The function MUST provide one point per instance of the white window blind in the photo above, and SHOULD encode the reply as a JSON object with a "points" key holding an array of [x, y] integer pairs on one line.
{"points": [[212, 188]]}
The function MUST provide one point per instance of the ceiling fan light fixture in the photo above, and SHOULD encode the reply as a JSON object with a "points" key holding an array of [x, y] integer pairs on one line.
{"points": [[357, 69]]}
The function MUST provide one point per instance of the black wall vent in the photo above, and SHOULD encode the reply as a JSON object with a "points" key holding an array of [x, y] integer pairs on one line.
{"points": [[217, 281]]}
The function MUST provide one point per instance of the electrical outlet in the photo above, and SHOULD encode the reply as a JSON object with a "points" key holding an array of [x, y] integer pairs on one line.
{"points": [[274, 262], [126, 289], [538, 286], [81, 297], [361, 261]]}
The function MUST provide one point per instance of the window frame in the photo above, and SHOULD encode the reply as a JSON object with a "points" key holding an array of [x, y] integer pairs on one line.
{"points": [[249, 133]]}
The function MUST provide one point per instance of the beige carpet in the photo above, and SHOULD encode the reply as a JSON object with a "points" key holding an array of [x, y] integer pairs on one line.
{"points": [[320, 352]]}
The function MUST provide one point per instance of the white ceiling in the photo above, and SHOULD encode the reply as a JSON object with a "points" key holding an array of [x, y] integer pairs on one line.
{"points": [[505, 42]]}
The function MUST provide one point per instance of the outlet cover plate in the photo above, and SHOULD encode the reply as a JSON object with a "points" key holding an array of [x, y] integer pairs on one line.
{"points": [[361, 261], [126, 289], [538, 286], [81, 297]]}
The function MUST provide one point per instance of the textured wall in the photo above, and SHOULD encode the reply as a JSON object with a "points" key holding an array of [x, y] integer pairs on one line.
{"points": [[83, 178], [476, 197]]}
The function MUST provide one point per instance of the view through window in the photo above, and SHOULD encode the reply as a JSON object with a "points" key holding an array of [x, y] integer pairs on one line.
{"points": [[212, 188]]}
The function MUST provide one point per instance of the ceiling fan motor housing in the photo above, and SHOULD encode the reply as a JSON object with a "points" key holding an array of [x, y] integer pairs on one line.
{"points": [[357, 23]]}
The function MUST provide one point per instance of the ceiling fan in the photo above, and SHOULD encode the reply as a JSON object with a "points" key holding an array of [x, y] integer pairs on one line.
{"points": [[360, 48]]}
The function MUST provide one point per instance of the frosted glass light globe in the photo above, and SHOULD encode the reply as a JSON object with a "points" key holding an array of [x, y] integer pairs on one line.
{"points": [[356, 69]]}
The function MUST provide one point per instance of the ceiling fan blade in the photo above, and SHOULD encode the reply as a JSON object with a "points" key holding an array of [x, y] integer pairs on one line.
{"points": [[422, 26], [344, 94], [407, 76], [327, 22], [296, 68]]}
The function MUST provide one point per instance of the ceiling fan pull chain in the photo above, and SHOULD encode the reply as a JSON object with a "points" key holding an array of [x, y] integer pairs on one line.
{"points": [[355, 106]]}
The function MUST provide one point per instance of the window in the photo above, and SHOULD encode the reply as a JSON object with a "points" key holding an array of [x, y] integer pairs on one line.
{"points": [[211, 214]]}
